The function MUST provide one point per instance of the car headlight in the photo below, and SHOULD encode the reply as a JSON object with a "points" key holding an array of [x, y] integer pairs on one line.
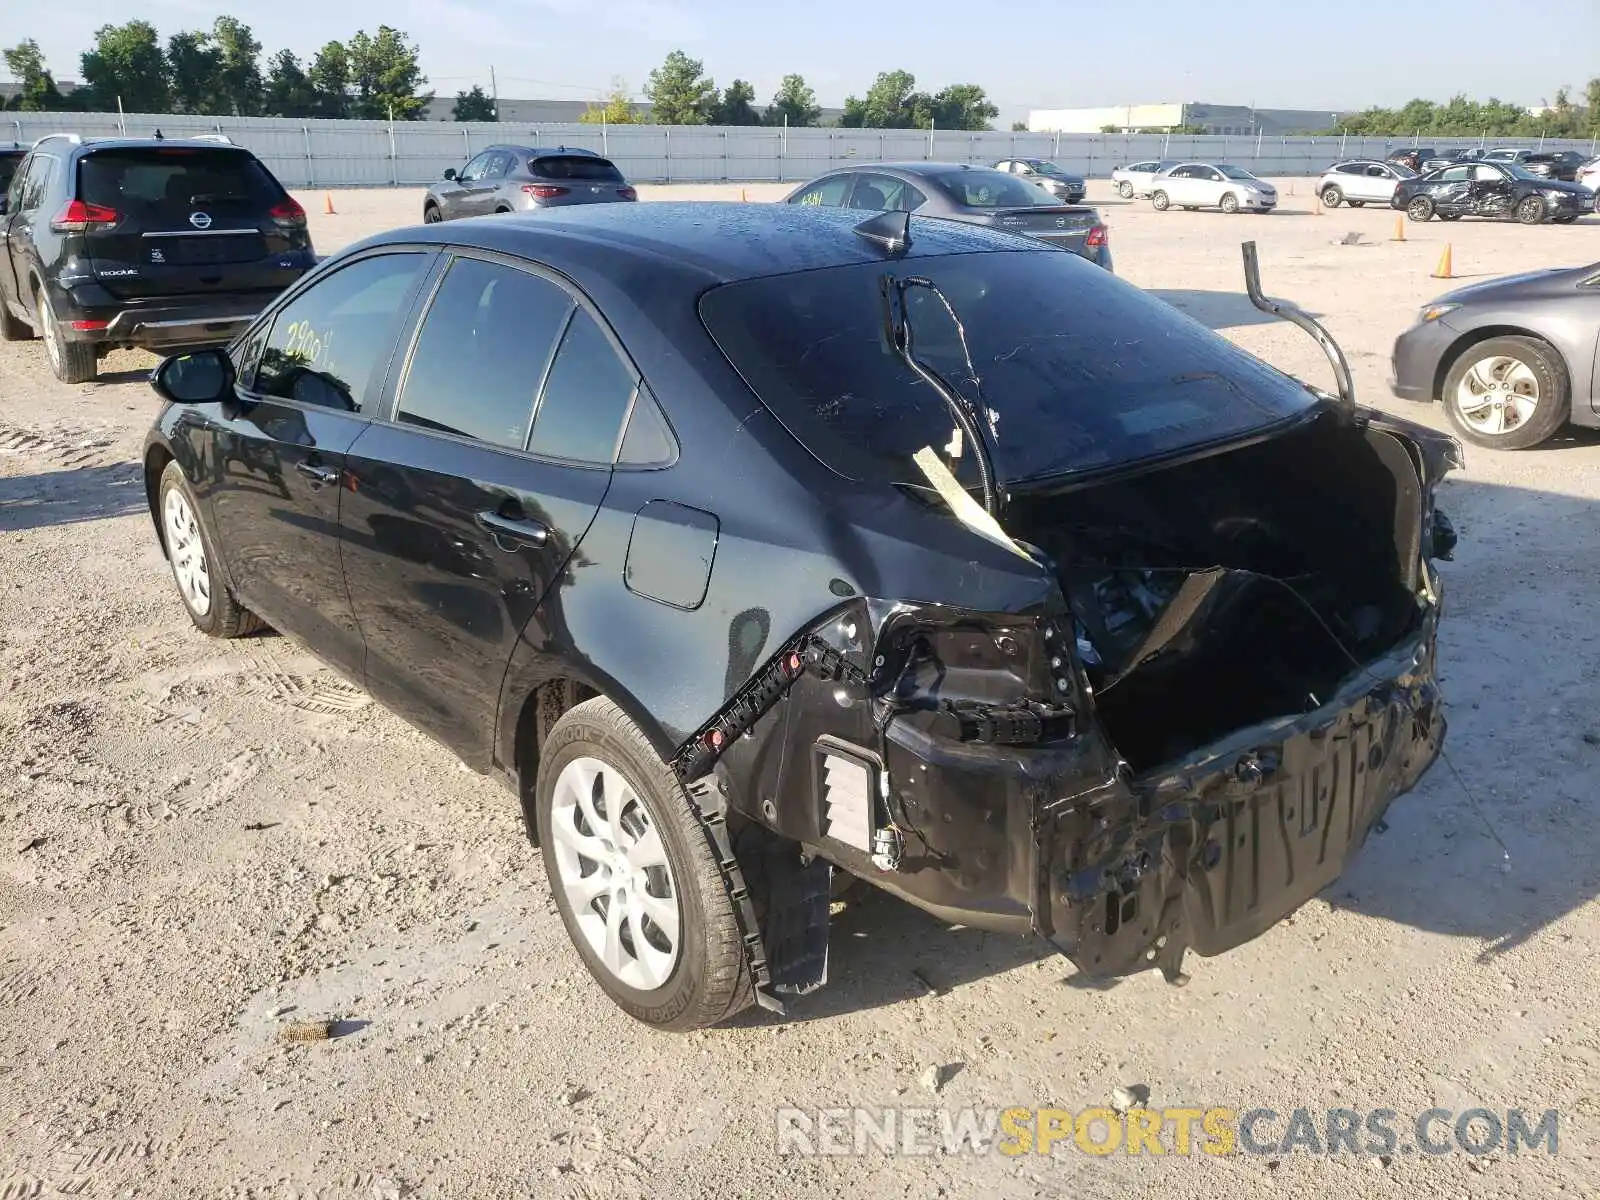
{"points": [[1555, 194], [1434, 311]]}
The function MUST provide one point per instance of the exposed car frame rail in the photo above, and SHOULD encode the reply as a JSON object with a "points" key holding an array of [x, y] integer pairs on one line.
{"points": [[1297, 316]]}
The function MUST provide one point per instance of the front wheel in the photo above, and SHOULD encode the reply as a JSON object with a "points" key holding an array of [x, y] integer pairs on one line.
{"points": [[1531, 211], [1230, 203], [637, 886], [1508, 393], [1159, 201], [430, 215], [1125, 190], [1331, 197], [1420, 209], [210, 605]]}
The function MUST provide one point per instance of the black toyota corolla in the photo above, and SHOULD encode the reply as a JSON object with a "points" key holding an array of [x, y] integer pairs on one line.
{"points": [[751, 544]]}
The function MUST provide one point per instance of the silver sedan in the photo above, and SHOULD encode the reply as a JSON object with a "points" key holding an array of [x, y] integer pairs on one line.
{"points": [[1361, 181]]}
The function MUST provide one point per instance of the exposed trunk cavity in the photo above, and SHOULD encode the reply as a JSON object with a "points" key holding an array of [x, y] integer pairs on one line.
{"points": [[1236, 588]]}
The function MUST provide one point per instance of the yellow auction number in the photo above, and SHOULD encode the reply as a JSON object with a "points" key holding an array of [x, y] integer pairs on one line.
{"points": [[305, 344]]}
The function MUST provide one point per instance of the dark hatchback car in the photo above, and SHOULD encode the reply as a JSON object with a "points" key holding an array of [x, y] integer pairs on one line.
{"points": [[1512, 359], [506, 179], [695, 524], [160, 244], [1412, 156], [1498, 191], [958, 192]]}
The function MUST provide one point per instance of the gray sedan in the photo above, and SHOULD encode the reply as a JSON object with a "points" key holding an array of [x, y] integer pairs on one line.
{"points": [[1512, 359], [506, 179], [1063, 185], [959, 192]]}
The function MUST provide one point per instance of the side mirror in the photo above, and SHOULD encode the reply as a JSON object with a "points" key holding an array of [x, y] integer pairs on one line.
{"points": [[204, 377], [449, 172]]}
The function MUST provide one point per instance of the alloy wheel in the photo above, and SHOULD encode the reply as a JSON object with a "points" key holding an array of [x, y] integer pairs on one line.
{"points": [[187, 553]]}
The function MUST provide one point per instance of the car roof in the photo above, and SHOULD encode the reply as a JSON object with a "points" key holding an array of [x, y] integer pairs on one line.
{"points": [[705, 242], [81, 146], [921, 168], [537, 151]]}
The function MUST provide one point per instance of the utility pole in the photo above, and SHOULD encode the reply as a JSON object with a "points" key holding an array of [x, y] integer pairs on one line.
{"points": [[494, 89]]}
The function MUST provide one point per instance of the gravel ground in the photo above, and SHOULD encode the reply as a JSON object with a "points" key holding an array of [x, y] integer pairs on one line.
{"points": [[202, 843]]}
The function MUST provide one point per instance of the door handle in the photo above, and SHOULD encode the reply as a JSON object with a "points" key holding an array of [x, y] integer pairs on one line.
{"points": [[317, 473], [509, 533]]}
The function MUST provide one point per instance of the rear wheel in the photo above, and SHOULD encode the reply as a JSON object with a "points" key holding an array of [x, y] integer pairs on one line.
{"points": [[1331, 196], [1125, 190], [637, 886], [1531, 211], [211, 606], [1230, 203], [1159, 201], [1508, 393], [1420, 209], [72, 362]]}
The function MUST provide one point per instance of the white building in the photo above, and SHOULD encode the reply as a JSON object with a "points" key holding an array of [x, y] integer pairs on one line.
{"points": [[1213, 118]]}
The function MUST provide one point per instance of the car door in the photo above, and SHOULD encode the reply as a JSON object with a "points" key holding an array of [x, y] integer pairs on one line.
{"points": [[10, 275], [273, 479], [460, 200], [1376, 182], [459, 519], [1175, 183], [494, 182], [1208, 185], [1493, 192], [24, 211], [1452, 191]]}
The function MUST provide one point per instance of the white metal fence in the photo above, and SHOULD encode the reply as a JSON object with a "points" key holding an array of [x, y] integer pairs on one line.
{"points": [[330, 154]]}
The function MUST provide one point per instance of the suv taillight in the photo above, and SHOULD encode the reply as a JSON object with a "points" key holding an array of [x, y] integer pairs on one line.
{"points": [[544, 191], [1097, 236], [627, 193], [80, 217], [288, 213]]}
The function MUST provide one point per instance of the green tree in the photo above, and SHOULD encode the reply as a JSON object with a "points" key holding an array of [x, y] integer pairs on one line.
{"points": [[329, 77], [387, 77], [288, 89], [962, 106], [37, 91], [890, 103], [736, 106], [794, 104], [127, 64], [193, 64], [615, 109], [1592, 95], [679, 92], [474, 105], [240, 90], [1022, 127]]}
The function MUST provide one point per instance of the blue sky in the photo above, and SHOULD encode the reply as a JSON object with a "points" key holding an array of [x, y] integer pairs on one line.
{"points": [[1026, 53]]}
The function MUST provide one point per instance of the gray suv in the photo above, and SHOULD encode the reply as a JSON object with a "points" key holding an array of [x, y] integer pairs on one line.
{"points": [[506, 179]]}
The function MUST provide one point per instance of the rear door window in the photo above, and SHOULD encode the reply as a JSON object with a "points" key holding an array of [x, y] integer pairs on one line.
{"points": [[481, 353], [585, 398], [575, 166], [330, 344], [165, 184], [830, 192]]}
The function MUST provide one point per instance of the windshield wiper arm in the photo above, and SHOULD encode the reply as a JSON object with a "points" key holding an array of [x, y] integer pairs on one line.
{"points": [[973, 424]]}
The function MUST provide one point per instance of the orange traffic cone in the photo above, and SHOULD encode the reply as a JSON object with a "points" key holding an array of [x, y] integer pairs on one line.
{"points": [[1399, 230], [1442, 271], [327, 203]]}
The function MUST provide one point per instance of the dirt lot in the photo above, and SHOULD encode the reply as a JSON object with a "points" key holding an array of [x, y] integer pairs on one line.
{"points": [[202, 842]]}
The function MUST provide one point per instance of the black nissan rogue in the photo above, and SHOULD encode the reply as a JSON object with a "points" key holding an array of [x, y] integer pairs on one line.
{"points": [[157, 243]]}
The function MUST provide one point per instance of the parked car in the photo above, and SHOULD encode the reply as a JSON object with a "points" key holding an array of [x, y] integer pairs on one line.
{"points": [[1063, 185], [695, 524], [958, 192], [1212, 185], [10, 159], [1136, 179], [1512, 359], [1588, 174], [1495, 190], [1360, 182], [142, 242], [1449, 158], [1412, 156], [1555, 164], [505, 179]]}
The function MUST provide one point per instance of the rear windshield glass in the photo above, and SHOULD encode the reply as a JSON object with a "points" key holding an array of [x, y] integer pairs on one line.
{"points": [[1084, 370], [990, 189], [575, 167], [174, 180]]}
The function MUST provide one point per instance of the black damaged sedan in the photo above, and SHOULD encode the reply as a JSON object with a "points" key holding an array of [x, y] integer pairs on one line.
{"points": [[758, 545], [1499, 191]]}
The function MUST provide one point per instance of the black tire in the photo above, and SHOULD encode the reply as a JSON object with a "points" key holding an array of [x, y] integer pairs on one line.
{"points": [[501, 211], [1554, 406], [72, 362], [1125, 190], [222, 616], [1331, 196], [13, 329], [1419, 209], [710, 980], [1532, 211], [1566, 220], [1229, 203], [1449, 216], [1356, 203], [1159, 201], [431, 214]]}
